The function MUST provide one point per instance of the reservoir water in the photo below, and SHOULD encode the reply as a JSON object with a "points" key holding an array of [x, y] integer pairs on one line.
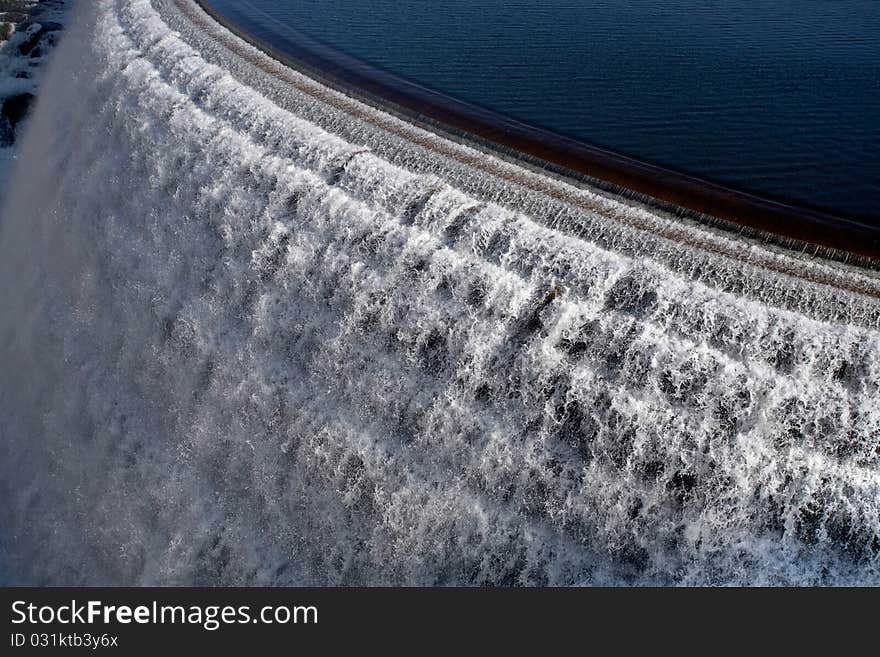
{"points": [[778, 98]]}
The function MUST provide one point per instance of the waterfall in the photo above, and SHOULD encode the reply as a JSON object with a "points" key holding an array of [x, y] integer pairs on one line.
{"points": [[241, 345]]}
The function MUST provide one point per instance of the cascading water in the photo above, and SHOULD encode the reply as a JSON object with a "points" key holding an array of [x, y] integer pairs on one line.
{"points": [[239, 347]]}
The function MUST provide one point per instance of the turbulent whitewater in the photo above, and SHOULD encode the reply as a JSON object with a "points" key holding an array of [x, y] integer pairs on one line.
{"points": [[247, 337]]}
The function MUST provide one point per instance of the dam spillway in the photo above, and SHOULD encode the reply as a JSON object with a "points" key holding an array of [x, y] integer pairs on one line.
{"points": [[258, 332]]}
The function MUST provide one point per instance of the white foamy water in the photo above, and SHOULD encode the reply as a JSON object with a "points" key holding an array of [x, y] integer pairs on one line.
{"points": [[239, 347]]}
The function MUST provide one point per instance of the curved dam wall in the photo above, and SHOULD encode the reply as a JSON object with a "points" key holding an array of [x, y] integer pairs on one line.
{"points": [[255, 332]]}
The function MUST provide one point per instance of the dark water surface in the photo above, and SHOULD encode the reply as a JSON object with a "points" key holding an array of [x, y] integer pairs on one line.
{"points": [[779, 98]]}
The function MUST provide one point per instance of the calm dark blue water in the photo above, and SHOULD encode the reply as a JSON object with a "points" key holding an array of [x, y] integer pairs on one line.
{"points": [[776, 97]]}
